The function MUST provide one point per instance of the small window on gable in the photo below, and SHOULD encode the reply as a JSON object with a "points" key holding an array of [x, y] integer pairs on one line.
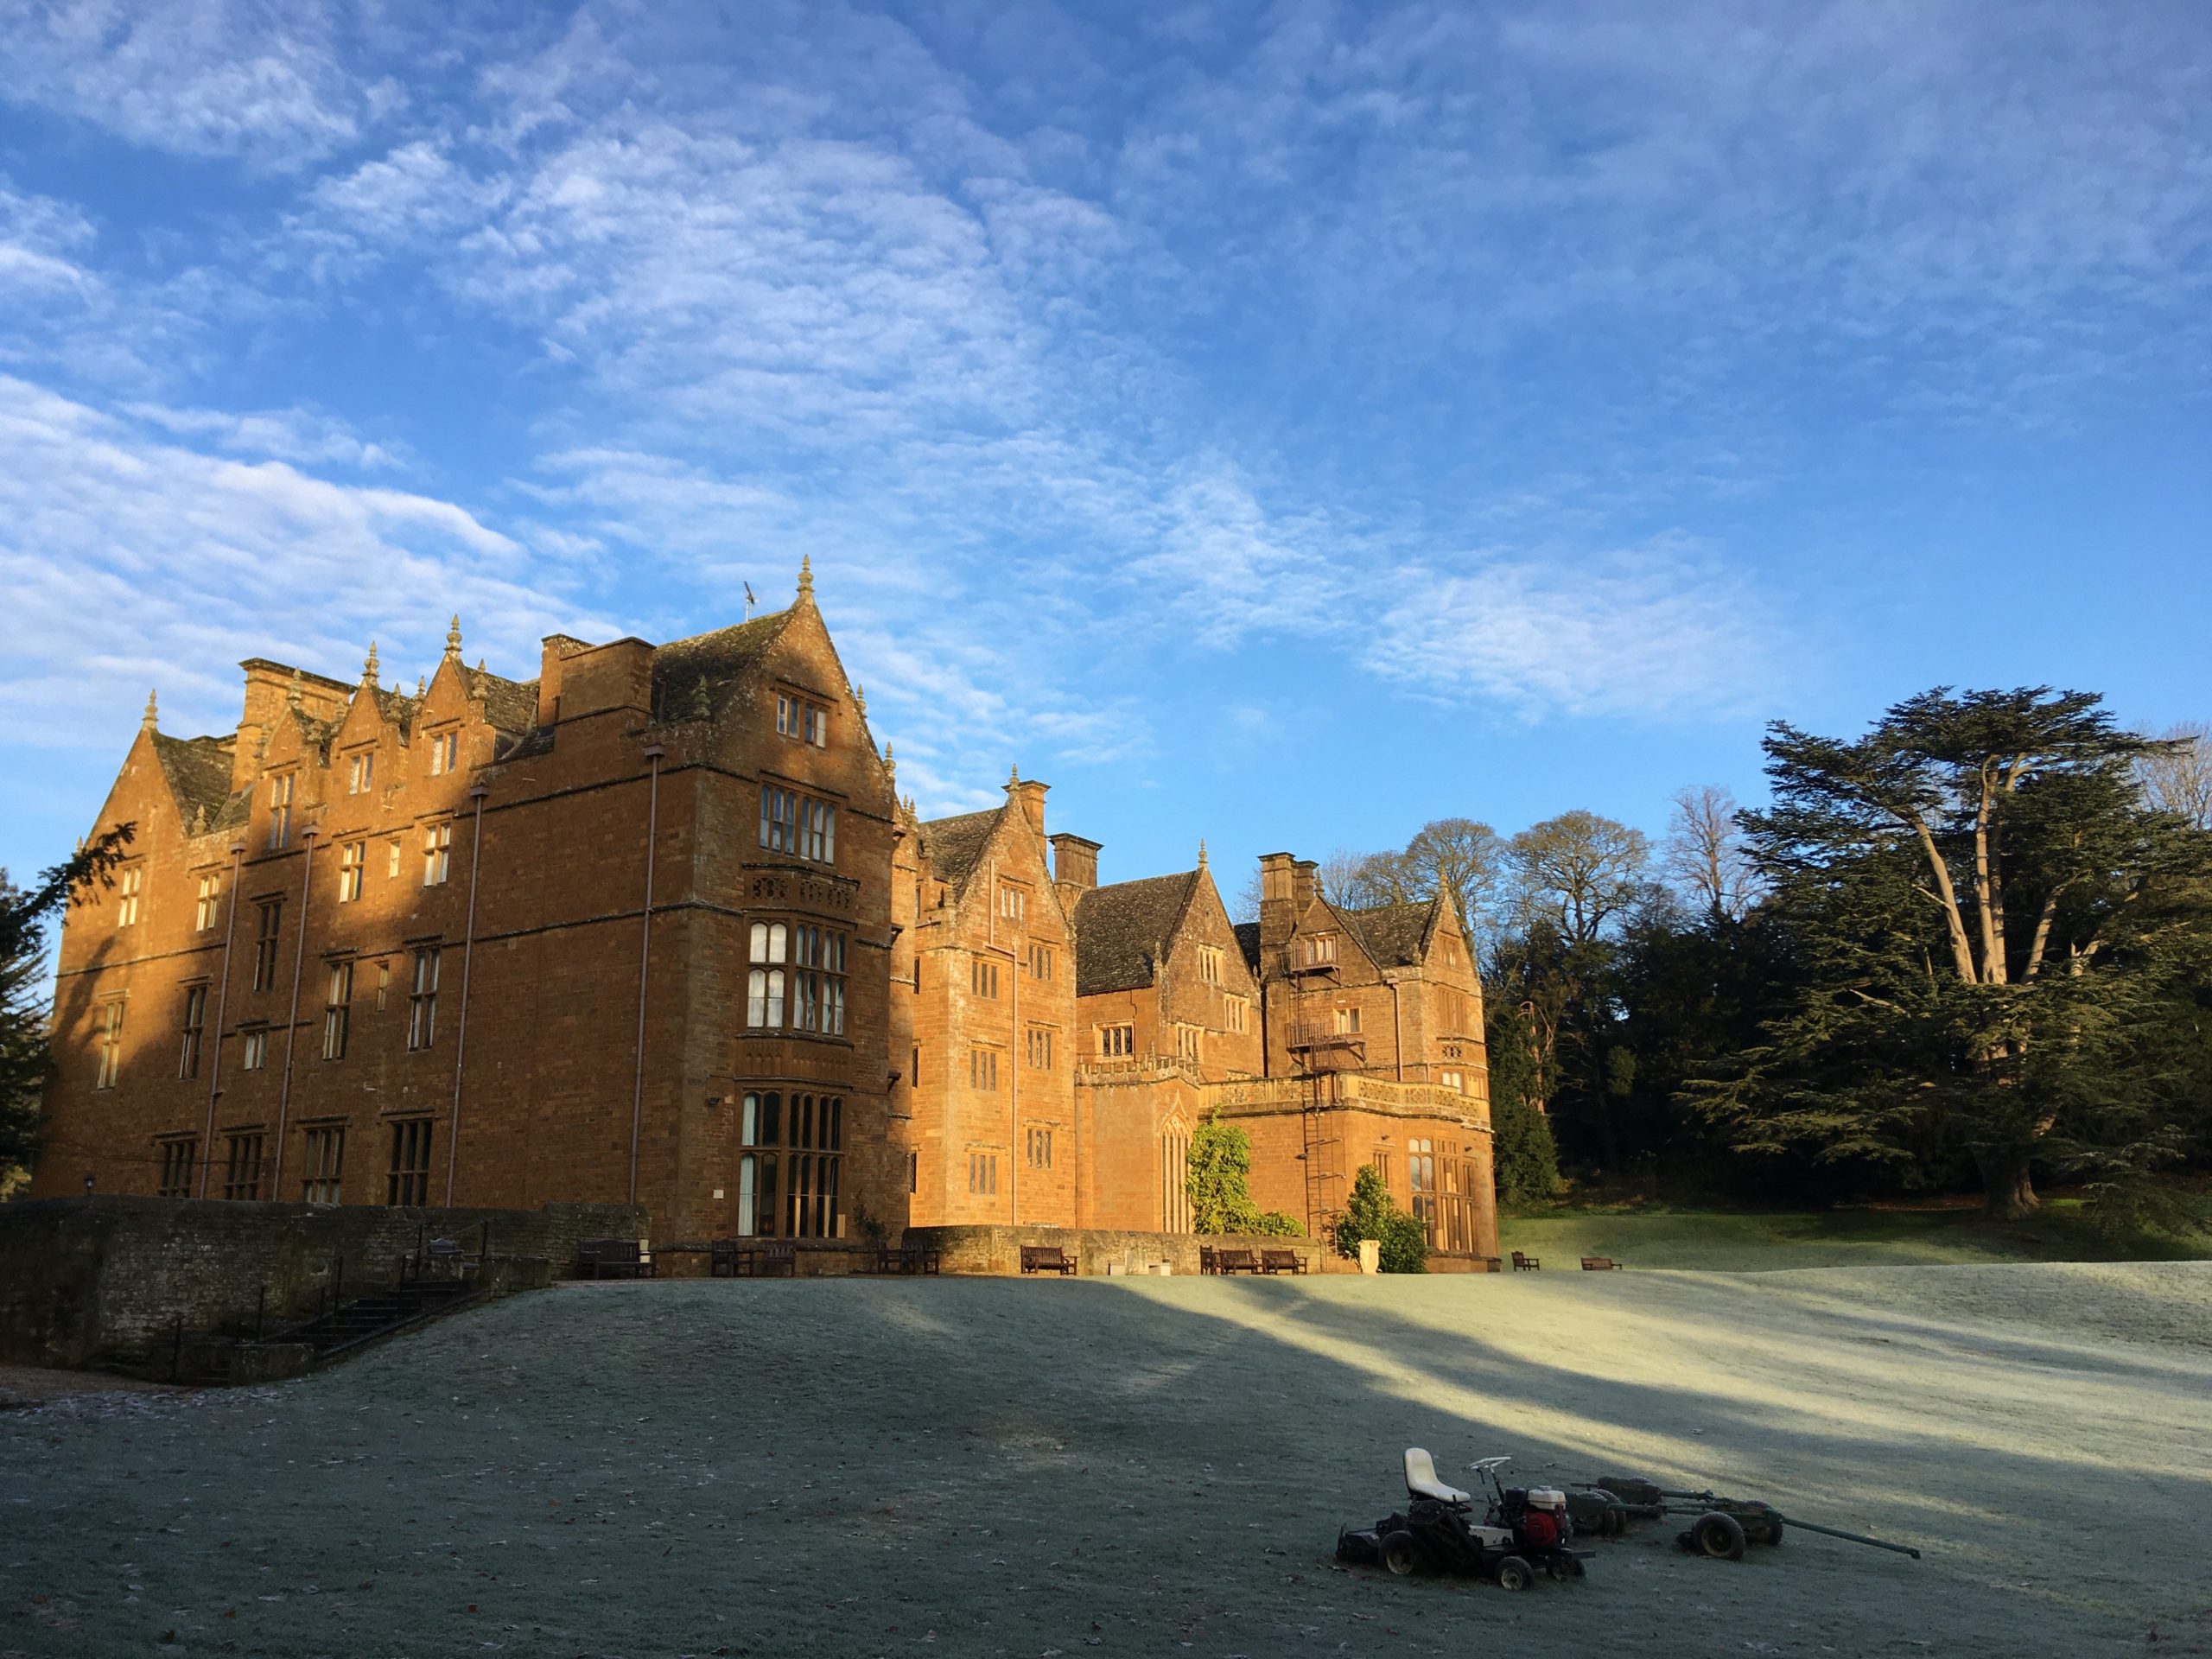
{"points": [[803, 718], [1014, 903], [210, 904], [129, 886], [360, 772], [445, 751], [1209, 963]]}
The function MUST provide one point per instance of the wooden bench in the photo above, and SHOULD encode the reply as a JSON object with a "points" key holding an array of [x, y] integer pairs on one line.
{"points": [[1046, 1258], [1281, 1262], [449, 1256], [1209, 1259], [1526, 1263], [752, 1258], [1601, 1264], [1228, 1262], [612, 1258], [909, 1258]]}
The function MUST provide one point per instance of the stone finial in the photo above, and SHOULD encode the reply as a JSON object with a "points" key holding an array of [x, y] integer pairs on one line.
{"points": [[151, 718], [1202, 852], [701, 708], [860, 700], [369, 669], [292, 695], [452, 638], [805, 573], [1013, 776], [422, 686], [200, 820]]}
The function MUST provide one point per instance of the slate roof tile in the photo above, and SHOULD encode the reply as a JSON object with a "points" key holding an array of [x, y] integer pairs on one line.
{"points": [[1122, 931]]}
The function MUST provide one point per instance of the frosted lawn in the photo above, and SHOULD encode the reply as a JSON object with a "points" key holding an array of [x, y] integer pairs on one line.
{"points": [[965, 1466]]}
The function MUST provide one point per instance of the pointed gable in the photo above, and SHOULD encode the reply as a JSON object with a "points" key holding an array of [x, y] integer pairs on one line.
{"points": [[1395, 935], [198, 772], [1123, 932], [954, 846], [690, 672]]}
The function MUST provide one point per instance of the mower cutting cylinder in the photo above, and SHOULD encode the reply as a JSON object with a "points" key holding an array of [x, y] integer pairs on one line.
{"points": [[1761, 1522]]}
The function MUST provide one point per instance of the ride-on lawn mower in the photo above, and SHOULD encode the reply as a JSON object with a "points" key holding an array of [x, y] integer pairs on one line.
{"points": [[1522, 1533]]}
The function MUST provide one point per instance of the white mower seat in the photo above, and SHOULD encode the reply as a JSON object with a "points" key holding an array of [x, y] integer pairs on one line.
{"points": [[1421, 1481]]}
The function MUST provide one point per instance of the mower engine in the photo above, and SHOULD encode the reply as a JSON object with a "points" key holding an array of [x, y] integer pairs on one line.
{"points": [[1537, 1516]]}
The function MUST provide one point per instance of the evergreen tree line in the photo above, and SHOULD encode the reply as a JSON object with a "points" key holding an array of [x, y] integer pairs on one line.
{"points": [[1970, 949]]}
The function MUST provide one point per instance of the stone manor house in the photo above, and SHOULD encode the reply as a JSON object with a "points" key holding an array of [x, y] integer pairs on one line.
{"points": [[656, 926]]}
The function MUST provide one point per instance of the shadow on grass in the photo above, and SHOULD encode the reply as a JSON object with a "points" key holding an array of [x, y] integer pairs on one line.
{"points": [[992, 1466]]}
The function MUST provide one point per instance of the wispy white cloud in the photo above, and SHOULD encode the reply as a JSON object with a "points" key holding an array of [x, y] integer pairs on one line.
{"points": [[1637, 634], [294, 435], [131, 561], [250, 79]]}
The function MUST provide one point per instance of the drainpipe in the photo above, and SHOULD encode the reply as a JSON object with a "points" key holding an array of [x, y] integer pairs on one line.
{"points": [[1397, 1032], [645, 961], [222, 1004], [467, 956], [292, 1021], [1015, 1051]]}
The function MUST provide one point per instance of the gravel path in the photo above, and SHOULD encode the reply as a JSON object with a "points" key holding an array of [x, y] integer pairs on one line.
{"points": [[1158, 1467]]}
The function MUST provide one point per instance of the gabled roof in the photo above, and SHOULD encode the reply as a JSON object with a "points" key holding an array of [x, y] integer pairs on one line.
{"points": [[1394, 935], [954, 846], [510, 706], [706, 661], [1122, 931], [198, 770]]}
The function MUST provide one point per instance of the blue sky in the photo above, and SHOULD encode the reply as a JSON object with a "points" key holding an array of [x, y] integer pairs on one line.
{"points": [[1278, 424]]}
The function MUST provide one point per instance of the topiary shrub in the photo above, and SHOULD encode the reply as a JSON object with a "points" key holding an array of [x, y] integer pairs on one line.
{"points": [[1370, 1214]]}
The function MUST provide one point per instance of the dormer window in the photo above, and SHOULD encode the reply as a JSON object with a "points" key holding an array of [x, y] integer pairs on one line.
{"points": [[360, 772], [445, 751], [280, 811], [799, 717], [1321, 947]]}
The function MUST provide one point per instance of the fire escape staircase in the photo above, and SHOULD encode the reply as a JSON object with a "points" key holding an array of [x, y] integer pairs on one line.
{"points": [[1320, 1052]]}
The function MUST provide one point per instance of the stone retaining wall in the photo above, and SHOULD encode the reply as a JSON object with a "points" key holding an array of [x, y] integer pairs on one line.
{"points": [[83, 1276]]}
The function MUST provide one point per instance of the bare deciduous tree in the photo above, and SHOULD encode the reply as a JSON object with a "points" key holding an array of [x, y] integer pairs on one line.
{"points": [[1578, 870], [1465, 861], [2177, 777], [1704, 855]]}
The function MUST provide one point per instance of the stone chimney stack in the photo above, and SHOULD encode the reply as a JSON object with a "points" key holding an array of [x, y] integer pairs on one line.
{"points": [[1279, 912], [1075, 865], [1031, 794], [557, 650]]}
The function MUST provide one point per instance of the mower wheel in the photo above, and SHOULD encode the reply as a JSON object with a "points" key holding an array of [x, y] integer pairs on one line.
{"points": [[1614, 1523], [1563, 1568], [1774, 1529], [1513, 1573], [1718, 1535], [1400, 1554]]}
